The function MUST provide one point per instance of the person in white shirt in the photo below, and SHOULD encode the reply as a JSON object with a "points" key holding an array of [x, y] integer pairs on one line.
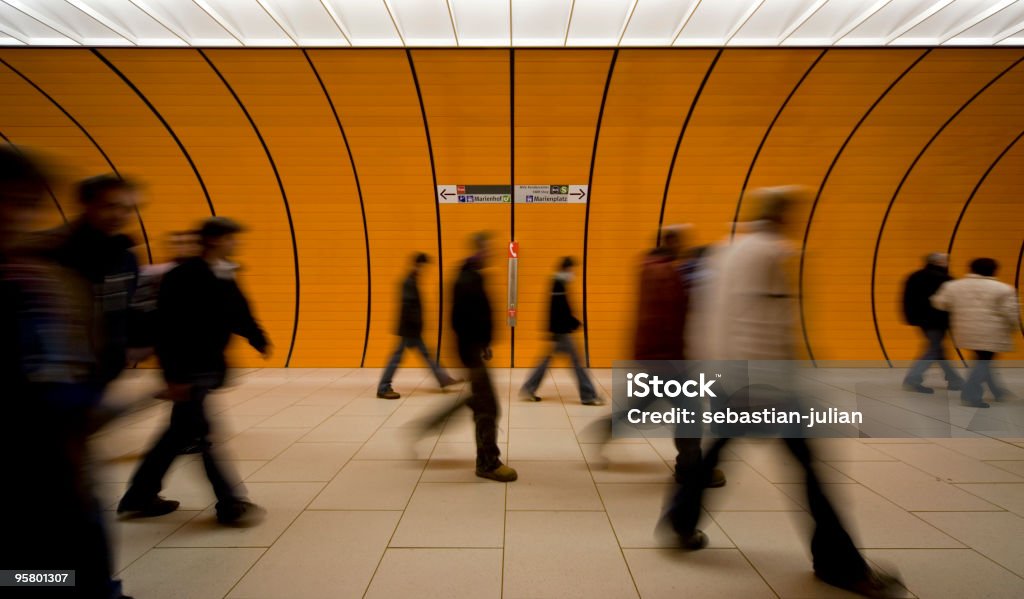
{"points": [[985, 317]]}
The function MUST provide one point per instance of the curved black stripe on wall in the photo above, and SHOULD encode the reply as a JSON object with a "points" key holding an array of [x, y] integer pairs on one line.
{"points": [[821, 189], [512, 173], [163, 121], [1016, 279], [679, 141], [362, 206], [49, 191], [437, 206], [284, 197], [58, 106], [963, 212], [896, 193], [764, 139], [590, 190]]}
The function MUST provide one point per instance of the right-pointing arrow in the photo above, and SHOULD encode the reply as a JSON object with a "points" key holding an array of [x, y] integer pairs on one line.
{"points": [[581, 194]]}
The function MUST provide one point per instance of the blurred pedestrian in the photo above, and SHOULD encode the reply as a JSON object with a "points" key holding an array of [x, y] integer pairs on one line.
{"points": [[410, 333], [473, 322], [985, 318], [200, 306], [753, 320], [561, 324], [934, 323], [48, 368]]}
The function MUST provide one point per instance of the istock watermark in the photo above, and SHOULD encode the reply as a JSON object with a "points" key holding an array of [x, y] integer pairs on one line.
{"points": [[691, 398]]}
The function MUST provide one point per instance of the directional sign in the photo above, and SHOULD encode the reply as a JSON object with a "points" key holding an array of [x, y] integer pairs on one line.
{"points": [[474, 194], [551, 194]]}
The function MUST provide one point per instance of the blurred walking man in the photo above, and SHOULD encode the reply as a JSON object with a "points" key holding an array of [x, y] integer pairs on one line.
{"points": [[934, 323], [410, 333], [200, 306], [561, 325]]}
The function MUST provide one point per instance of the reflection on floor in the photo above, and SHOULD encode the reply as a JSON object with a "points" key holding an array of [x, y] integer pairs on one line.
{"points": [[356, 508]]}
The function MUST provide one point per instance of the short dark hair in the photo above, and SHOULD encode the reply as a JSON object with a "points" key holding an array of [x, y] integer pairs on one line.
{"points": [[420, 258], [567, 262], [20, 175], [480, 240], [216, 227], [94, 188], [985, 267]]}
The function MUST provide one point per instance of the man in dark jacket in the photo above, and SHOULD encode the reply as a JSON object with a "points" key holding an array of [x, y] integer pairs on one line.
{"points": [[919, 312], [561, 324], [410, 333], [199, 307], [95, 247], [473, 323]]}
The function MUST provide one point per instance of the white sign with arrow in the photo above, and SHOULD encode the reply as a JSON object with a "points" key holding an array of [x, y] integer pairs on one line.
{"points": [[551, 194]]}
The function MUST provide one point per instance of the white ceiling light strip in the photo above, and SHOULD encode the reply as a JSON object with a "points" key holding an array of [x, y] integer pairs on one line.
{"points": [[789, 31], [279, 22], [864, 16], [1008, 33], [451, 16], [337, 21], [178, 33], [394, 21], [742, 21], [685, 21], [980, 17], [220, 20], [568, 24], [17, 35], [95, 15], [59, 28], [921, 18], [625, 25]]}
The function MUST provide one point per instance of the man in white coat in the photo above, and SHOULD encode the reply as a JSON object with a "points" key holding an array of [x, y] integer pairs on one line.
{"points": [[985, 317]]}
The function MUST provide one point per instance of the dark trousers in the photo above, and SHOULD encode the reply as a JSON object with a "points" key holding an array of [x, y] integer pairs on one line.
{"points": [[484, 404], [414, 343], [833, 553], [934, 352], [981, 373], [188, 423]]}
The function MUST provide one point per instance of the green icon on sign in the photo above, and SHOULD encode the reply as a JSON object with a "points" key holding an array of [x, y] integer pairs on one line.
{"points": [[506, 198], [564, 189]]}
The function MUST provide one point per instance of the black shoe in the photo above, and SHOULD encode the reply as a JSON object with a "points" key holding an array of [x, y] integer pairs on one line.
{"points": [[593, 401], [528, 395], [694, 541], [974, 404], [448, 382], [147, 508], [389, 394], [240, 513], [874, 584], [717, 479], [918, 388]]}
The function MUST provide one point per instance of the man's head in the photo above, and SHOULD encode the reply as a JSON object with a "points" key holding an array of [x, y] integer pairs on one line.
{"points": [[108, 201], [567, 264], [985, 267], [671, 240], [218, 237], [22, 185], [937, 259], [419, 261], [774, 203], [481, 244]]}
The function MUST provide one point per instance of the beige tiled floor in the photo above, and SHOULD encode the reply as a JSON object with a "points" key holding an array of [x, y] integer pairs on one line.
{"points": [[358, 506]]}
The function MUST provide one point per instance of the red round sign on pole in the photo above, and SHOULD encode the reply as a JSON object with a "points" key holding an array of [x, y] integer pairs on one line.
{"points": [[513, 249]]}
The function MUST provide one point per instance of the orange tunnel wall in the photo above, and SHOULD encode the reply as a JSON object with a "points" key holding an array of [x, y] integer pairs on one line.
{"points": [[330, 158]]}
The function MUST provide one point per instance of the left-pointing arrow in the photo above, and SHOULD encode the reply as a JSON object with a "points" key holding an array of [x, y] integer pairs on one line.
{"points": [[444, 194]]}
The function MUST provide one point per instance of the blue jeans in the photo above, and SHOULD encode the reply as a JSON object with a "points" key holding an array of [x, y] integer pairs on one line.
{"points": [[933, 353], [410, 343], [563, 344], [980, 374]]}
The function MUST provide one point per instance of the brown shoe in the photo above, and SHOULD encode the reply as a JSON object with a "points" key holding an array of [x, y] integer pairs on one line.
{"points": [[389, 394], [502, 474]]}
